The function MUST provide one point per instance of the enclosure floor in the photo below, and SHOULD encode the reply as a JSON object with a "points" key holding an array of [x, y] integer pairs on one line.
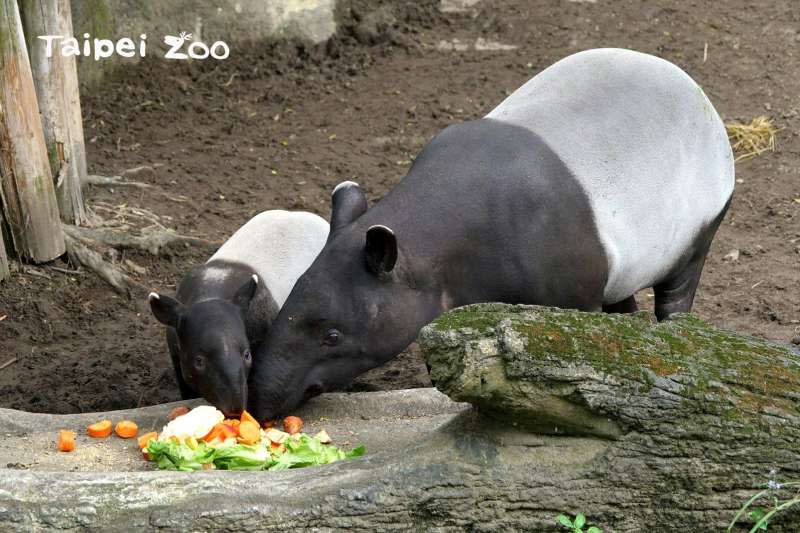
{"points": [[278, 127]]}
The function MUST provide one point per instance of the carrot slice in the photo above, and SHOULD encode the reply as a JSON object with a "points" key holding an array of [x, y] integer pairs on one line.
{"points": [[66, 440], [215, 432], [292, 424], [248, 417], [280, 448], [99, 430], [147, 437], [249, 432], [126, 429], [232, 421]]}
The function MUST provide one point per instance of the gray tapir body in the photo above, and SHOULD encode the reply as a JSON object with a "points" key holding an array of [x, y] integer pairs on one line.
{"points": [[606, 173], [224, 308]]}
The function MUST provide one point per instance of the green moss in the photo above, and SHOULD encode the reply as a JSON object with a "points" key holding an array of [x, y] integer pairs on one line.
{"points": [[38, 185], [481, 320], [749, 375]]}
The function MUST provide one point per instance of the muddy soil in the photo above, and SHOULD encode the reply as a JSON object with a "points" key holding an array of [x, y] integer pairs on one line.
{"points": [[279, 125]]}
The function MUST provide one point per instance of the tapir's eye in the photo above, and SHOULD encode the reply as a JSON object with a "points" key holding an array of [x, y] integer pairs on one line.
{"points": [[248, 357], [199, 362], [332, 337]]}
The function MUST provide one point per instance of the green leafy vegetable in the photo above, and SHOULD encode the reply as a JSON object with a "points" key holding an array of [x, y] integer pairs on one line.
{"points": [[170, 455], [306, 451], [243, 457]]}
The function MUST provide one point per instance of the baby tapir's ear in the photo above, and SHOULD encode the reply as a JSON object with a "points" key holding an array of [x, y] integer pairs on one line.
{"points": [[381, 249], [245, 294], [347, 204], [167, 310]]}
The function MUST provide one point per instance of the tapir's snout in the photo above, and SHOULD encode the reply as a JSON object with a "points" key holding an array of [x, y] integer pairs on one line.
{"points": [[228, 393], [231, 404]]}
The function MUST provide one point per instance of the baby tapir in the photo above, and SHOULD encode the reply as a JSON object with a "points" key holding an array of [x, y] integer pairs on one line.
{"points": [[606, 173], [223, 309]]}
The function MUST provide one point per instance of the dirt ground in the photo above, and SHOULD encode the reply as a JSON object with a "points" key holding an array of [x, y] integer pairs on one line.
{"points": [[278, 126]]}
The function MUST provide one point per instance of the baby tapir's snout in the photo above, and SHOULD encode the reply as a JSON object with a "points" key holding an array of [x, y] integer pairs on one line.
{"points": [[227, 388]]}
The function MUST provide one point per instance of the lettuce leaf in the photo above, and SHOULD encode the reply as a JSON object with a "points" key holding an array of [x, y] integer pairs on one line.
{"points": [[309, 451], [358, 451], [305, 451], [243, 457], [170, 455]]}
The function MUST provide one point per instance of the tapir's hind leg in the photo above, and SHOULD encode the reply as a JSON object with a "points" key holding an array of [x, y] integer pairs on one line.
{"points": [[676, 294], [628, 305]]}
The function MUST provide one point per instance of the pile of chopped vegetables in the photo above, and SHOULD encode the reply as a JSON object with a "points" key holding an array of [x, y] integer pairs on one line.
{"points": [[203, 439]]}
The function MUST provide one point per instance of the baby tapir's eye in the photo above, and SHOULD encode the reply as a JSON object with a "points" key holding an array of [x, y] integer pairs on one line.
{"points": [[332, 337], [199, 362], [247, 356]]}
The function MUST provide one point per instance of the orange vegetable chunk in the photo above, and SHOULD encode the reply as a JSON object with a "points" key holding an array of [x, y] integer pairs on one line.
{"points": [[66, 440], [249, 433], [216, 432], [292, 424], [279, 448], [147, 437], [99, 430], [249, 418], [126, 429]]}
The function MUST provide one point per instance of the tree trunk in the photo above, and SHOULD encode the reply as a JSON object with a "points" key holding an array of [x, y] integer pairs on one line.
{"points": [[29, 200], [56, 81], [686, 421], [4, 269]]}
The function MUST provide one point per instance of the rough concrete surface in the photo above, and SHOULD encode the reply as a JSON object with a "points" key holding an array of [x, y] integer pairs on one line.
{"points": [[379, 420]]}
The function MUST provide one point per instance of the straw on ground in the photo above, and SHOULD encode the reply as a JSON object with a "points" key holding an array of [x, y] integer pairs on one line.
{"points": [[750, 140]]}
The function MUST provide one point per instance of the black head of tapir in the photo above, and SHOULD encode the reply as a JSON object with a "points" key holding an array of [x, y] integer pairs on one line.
{"points": [[210, 341], [352, 310]]}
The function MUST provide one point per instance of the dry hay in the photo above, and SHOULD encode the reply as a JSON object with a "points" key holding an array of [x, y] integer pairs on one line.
{"points": [[750, 140]]}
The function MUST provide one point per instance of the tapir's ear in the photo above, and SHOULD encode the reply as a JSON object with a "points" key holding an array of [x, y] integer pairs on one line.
{"points": [[245, 294], [347, 204], [381, 249], [167, 310]]}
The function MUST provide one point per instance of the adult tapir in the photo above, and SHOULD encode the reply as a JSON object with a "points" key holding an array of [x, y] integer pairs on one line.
{"points": [[224, 307], [606, 173]]}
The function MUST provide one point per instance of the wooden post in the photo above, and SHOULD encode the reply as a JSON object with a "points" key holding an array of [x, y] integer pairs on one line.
{"points": [[4, 269], [29, 200], [56, 81]]}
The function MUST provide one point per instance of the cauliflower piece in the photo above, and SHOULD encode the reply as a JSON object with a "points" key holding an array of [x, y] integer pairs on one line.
{"points": [[195, 424]]}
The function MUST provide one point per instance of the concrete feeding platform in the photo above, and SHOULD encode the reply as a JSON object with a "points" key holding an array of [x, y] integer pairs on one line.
{"points": [[380, 420], [105, 483]]}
